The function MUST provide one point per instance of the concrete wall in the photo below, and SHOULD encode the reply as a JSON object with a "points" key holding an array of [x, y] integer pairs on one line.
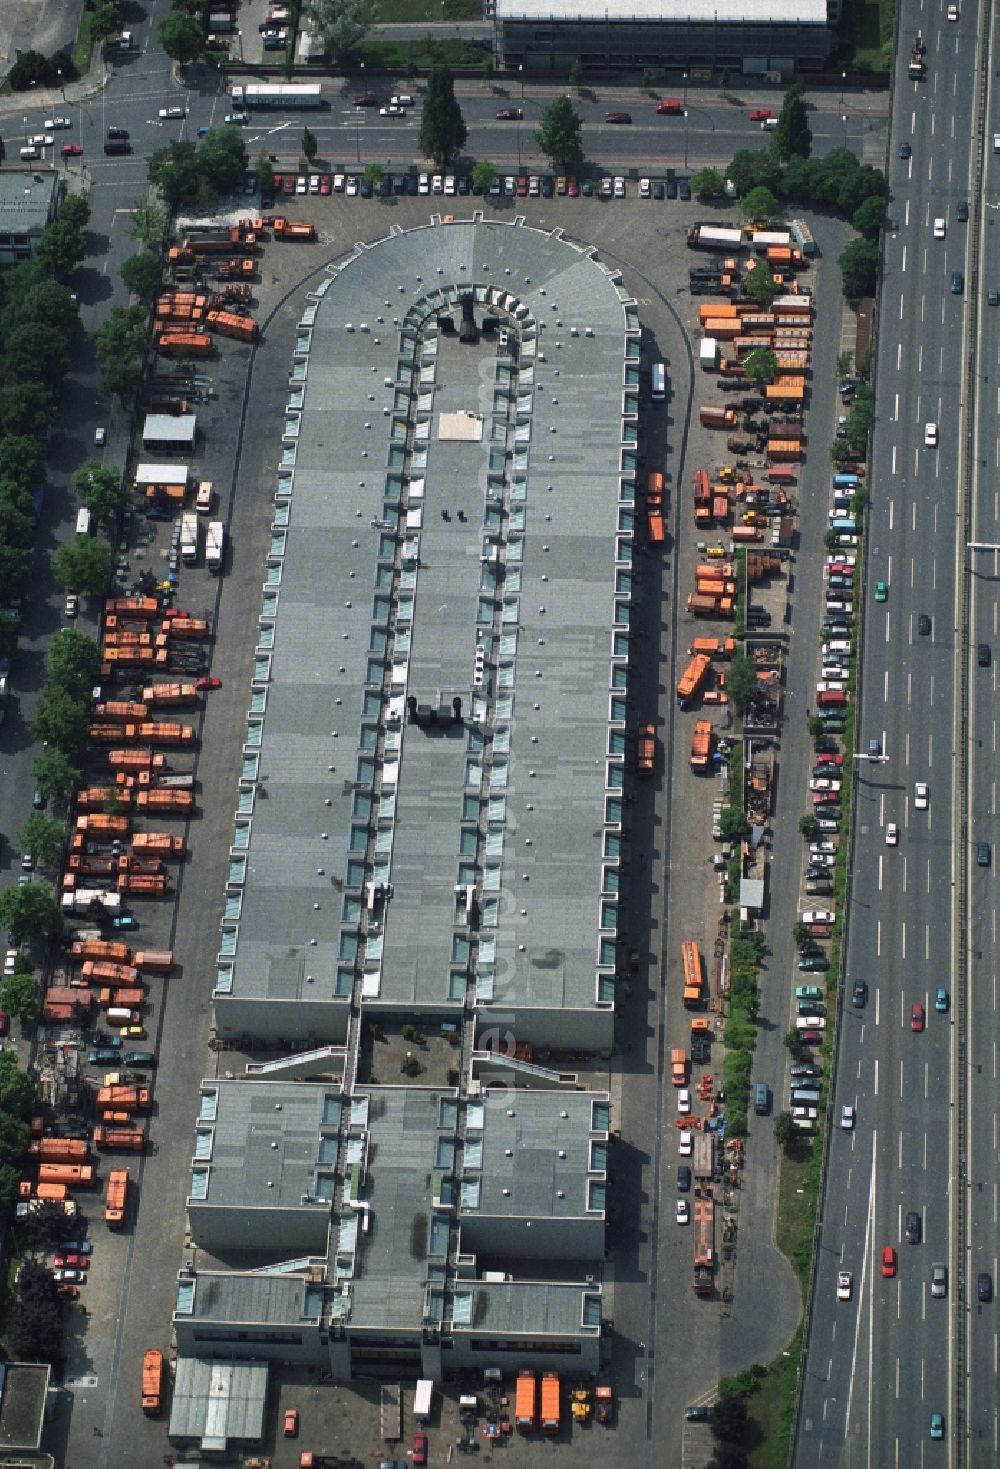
{"points": [[228, 1230]]}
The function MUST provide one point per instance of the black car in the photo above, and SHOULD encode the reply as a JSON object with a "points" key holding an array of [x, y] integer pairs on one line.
{"points": [[385, 186], [365, 188], [683, 189], [957, 283], [399, 183], [671, 188], [548, 186], [804, 1069], [984, 1285], [905, 151], [827, 811], [859, 994], [983, 655], [657, 189], [912, 1228], [462, 183], [923, 625], [411, 183], [683, 1178], [982, 854], [698, 1413], [962, 211], [118, 132]]}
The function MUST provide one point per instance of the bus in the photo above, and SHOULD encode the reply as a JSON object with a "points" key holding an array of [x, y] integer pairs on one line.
{"points": [[658, 382]]}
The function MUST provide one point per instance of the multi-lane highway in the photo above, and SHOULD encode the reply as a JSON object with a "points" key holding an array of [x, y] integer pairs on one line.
{"points": [[880, 1364]]}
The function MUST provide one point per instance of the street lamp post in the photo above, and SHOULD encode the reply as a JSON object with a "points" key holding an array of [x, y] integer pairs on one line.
{"points": [[239, 37], [843, 84], [521, 70], [685, 138], [357, 116], [685, 102], [843, 119]]}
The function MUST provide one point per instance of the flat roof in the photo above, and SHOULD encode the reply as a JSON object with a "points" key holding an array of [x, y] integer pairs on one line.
{"points": [[533, 1154], [266, 1144], [252, 1298], [542, 1308], [26, 199], [161, 474], [170, 428], [681, 12], [218, 1402], [23, 1390], [408, 559]]}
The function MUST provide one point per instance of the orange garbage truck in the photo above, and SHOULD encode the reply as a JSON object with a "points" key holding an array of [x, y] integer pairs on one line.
{"points": [[526, 1401]]}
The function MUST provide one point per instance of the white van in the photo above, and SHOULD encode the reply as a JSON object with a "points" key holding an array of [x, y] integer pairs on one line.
{"points": [[203, 497], [83, 521], [658, 382]]}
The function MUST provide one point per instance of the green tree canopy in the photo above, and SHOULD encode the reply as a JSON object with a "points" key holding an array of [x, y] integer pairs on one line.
{"points": [[483, 175], [61, 248], [310, 146], [44, 838], [708, 184], [181, 37], [760, 284], [83, 565], [762, 365], [73, 662], [55, 774], [105, 22], [264, 173], [869, 218], [19, 995], [120, 343], [150, 225], [559, 135], [759, 203], [101, 490], [26, 408], [741, 680], [22, 461], [10, 627], [222, 158], [752, 168], [38, 354], [793, 135], [14, 1137], [442, 127], [141, 275], [17, 528], [576, 75], [340, 24], [859, 267], [63, 722], [174, 170], [43, 301]]}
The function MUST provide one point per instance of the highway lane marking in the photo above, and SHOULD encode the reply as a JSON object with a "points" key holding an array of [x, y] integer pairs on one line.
{"points": [[878, 954], [894, 459], [904, 874], [903, 950], [867, 1245], [892, 512], [876, 1072]]}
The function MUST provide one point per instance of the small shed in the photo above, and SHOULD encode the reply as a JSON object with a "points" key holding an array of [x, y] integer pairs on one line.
{"points": [[218, 1404], [167, 433]]}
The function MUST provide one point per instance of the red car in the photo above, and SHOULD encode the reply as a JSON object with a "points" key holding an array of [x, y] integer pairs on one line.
{"points": [[522, 186], [68, 1292], [71, 150], [510, 114], [811, 1037], [760, 114], [669, 104], [324, 183], [365, 99], [72, 1261], [208, 681], [829, 759], [418, 1452], [888, 1262], [289, 183], [278, 179], [917, 1018], [572, 188]]}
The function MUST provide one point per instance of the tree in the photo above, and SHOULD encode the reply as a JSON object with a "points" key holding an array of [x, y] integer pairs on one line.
{"points": [[181, 37], [17, 1090], [10, 627], [141, 275], [751, 168], [44, 838], [222, 159], [741, 680], [102, 491], [792, 1042], [22, 460], [33, 301], [559, 137], [174, 170], [17, 527], [708, 184], [646, 80], [761, 365], [35, 354], [75, 210], [340, 24], [61, 249], [859, 267], [728, 1456], [760, 284], [809, 828], [265, 174], [14, 1139], [62, 721], [36, 1326], [19, 995], [83, 566], [732, 823], [120, 344], [55, 775], [73, 662], [150, 225], [105, 22], [27, 408], [44, 1227], [373, 173], [793, 135], [442, 128], [869, 218], [310, 147], [483, 175], [729, 1413], [759, 203], [800, 930], [576, 74]]}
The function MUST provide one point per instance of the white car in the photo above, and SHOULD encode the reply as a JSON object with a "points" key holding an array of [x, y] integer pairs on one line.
{"points": [[953, 12], [682, 1211], [401, 99], [844, 558], [921, 796], [939, 229], [71, 606], [845, 1284], [847, 1118], [41, 140], [424, 183], [930, 435], [236, 119], [805, 1114], [686, 1143], [437, 184], [645, 189], [821, 859], [172, 112], [449, 183], [352, 183], [823, 783], [684, 1100], [819, 849], [827, 823], [100, 437], [818, 915], [301, 184], [393, 110], [892, 834], [619, 188], [314, 184], [54, 124], [510, 185]]}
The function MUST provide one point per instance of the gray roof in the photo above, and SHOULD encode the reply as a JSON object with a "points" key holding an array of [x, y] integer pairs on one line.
{"points": [[23, 1390], [721, 12], [525, 1308], [218, 1402], [254, 1299], [26, 200], [163, 428], [264, 1145], [551, 1161]]}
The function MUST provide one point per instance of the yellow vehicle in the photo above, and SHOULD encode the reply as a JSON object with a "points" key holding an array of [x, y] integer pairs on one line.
{"points": [[727, 474], [132, 1032], [580, 1404], [715, 552]]}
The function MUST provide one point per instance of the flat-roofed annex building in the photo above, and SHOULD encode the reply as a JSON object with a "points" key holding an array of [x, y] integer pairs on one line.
{"points": [[741, 36]]}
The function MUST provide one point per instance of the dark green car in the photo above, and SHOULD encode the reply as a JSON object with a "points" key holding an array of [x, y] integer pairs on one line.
{"points": [[139, 1058]]}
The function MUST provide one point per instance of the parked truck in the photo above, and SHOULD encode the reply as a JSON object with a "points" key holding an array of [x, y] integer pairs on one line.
{"points": [[153, 1367], [701, 747], [703, 1218], [678, 1066], [107, 949], [693, 973], [159, 844], [917, 68], [712, 415], [189, 536], [73, 1175], [116, 1198], [119, 1139], [300, 229], [135, 760], [714, 237], [215, 543], [155, 961], [125, 1098], [165, 802], [646, 749], [197, 344], [526, 1401], [550, 1402], [692, 678], [604, 1403], [231, 324], [59, 1149], [170, 694], [165, 732]]}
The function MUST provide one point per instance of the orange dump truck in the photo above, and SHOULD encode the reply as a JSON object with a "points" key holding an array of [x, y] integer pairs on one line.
{"points": [[166, 732], [100, 949], [73, 1175], [198, 344], [99, 823], [124, 998], [701, 746], [678, 1066], [119, 1139], [230, 324], [526, 1401], [162, 802], [135, 760], [142, 607], [646, 751], [155, 961], [125, 1098], [692, 678], [143, 884], [119, 709], [703, 1278], [152, 1382], [693, 973], [713, 647], [158, 843], [170, 693], [786, 390], [116, 1199], [188, 627], [104, 971], [550, 1402], [301, 229], [59, 1149]]}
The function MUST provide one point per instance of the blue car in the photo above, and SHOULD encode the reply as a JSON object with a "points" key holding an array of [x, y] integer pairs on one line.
{"points": [[125, 921], [937, 1425], [103, 1056]]}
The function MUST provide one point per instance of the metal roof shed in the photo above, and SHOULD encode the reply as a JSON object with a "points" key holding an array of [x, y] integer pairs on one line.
{"points": [[162, 474], [218, 1402], [169, 431]]}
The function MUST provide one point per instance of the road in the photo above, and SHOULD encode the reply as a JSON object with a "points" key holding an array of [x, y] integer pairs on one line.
{"points": [[879, 1366]]}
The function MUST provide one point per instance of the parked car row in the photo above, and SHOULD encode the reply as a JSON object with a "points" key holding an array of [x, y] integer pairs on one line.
{"points": [[510, 186]]}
